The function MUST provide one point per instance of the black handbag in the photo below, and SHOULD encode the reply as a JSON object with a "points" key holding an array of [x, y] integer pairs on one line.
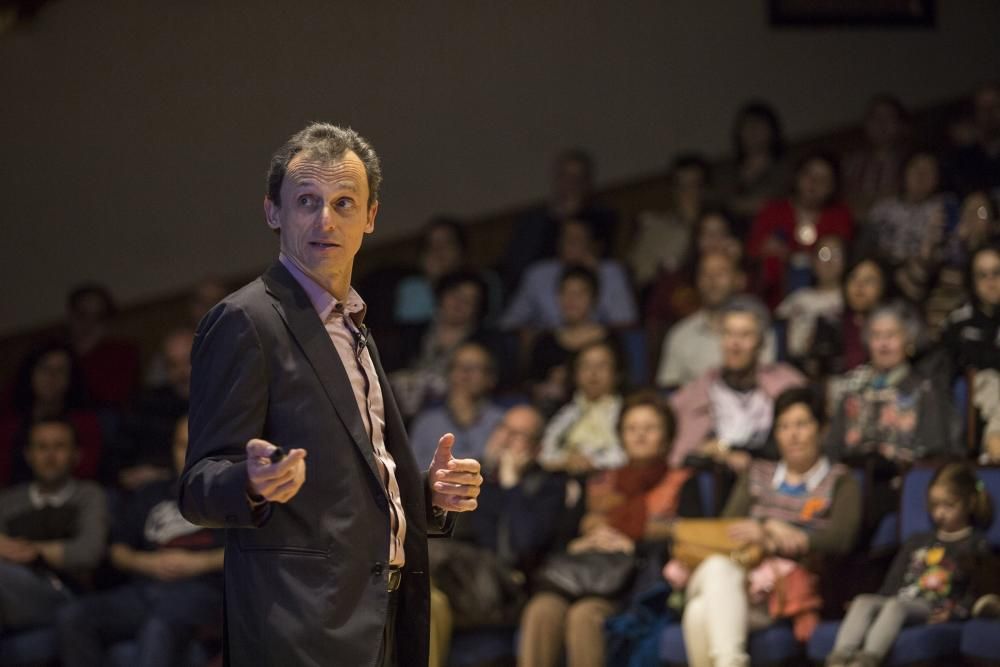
{"points": [[605, 574], [481, 590]]}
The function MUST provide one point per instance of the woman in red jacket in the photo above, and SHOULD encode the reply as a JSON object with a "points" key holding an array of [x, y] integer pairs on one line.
{"points": [[785, 230]]}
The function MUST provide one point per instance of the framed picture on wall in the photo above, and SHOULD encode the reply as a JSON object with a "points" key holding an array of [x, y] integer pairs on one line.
{"points": [[852, 13]]}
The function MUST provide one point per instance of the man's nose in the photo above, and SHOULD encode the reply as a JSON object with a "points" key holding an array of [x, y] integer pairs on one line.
{"points": [[326, 219]]}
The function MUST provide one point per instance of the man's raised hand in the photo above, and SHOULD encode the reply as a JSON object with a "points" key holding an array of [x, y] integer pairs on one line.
{"points": [[454, 482], [276, 482]]}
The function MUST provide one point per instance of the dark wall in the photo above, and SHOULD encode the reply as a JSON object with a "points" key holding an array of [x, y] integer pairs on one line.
{"points": [[134, 134]]}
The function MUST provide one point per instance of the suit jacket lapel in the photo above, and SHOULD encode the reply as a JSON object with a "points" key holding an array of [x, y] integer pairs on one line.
{"points": [[308, 331]]}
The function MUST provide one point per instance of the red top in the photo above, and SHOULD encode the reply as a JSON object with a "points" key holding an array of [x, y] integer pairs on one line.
{"points": [[777, 219]]}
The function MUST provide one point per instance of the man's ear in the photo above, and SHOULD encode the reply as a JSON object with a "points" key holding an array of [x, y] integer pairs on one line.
{"points": [[271, 214], [372, 212]]}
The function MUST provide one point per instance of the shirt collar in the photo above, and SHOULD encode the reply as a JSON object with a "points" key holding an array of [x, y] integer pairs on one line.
{"points": [[41, 500], [812, 478], [324, 302]]}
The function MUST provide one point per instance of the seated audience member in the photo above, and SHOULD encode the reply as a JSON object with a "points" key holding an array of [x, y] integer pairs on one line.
{"points": [[673, 296], [625, 508], [552, 350], [936, 576], [582, 437], [176, 587], [886, 413], [911, 223], [52, 530], [418, 362], [202, 297], [517, 492], [662, 236], [110, 366], [442, 252], [518, 521], [691, 347], [803, 307], [758, 172], [837, 344], [571, 197], [936, 277], [49, 384], [799, 508], [871, 173], [142, 449], [972, 342], [972, 333], [726, 413], [786, 230], [535, 305], [468, 410], [985, 397], [977, 166]]}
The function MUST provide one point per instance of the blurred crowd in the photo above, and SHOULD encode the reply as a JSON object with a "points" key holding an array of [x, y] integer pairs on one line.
{"points": [[803, 327]]}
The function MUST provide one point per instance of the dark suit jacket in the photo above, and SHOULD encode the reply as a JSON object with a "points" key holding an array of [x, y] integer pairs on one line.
{"points": [[305, 580]]}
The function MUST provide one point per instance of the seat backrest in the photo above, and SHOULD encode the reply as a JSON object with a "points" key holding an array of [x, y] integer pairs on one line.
{"points": [[706, 492], [991, 479], [913, 515]]}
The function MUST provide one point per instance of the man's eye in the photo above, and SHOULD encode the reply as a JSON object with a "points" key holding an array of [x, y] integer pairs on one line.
{"points": [[306, 200], [345, 202]]}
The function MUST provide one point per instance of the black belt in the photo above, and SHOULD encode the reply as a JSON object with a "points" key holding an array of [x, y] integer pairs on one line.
{"points": [[395, 578]]}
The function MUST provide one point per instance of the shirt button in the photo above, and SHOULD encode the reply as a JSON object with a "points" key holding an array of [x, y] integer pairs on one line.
{"points": [[377, 569]]}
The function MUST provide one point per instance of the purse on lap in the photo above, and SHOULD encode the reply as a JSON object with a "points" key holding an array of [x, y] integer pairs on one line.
{"points": [[694, 540]]}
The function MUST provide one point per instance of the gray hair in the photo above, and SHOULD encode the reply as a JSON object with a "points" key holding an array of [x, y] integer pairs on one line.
{"points": [[907, 317], [749, 305], [328, 142]]}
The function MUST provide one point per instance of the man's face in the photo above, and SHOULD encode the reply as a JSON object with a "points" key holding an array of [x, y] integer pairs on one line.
{"points": [[177, 357], [576, 246], [519, 431], [51, 453], [717, 280], [741, 341], [576, 300], [324, 214], [459, 306], [470, 372]]}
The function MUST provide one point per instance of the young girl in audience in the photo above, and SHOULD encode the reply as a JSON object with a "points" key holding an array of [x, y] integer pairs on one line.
{"points": [[934, 578]]}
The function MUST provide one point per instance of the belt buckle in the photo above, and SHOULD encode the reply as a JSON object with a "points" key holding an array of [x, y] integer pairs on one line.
{"points": [[395, 578]]}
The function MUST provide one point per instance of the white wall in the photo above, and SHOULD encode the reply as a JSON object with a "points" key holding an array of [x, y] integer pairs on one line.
{"points": [[134, 133]]}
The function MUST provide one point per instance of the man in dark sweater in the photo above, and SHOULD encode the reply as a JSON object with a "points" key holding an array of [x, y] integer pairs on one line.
{"points": [[176, 586], [52, 530]]}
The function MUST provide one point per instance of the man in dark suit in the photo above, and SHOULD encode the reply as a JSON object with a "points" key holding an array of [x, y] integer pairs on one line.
{"points": [[331, 570]]}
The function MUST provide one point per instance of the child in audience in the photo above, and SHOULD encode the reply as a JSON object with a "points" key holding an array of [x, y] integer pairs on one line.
{"points": [[934, 577]]}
